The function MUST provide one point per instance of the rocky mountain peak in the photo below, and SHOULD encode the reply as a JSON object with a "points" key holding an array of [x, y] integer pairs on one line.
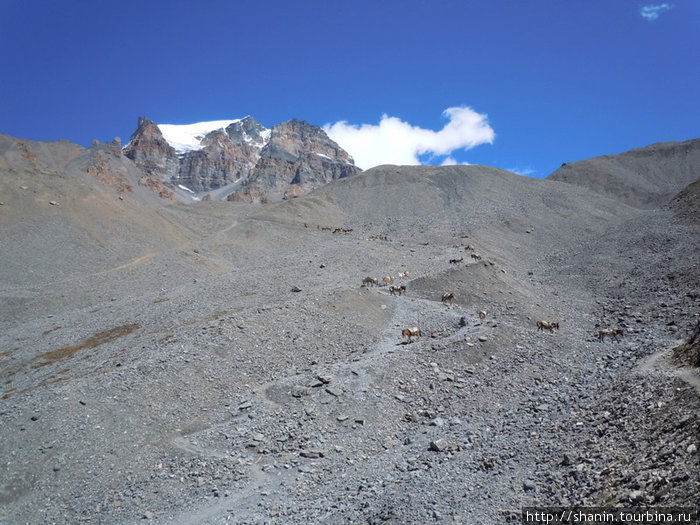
{"points": [[147, 130], [149, 149], [248, 130], [298, 157], [298, 137]]}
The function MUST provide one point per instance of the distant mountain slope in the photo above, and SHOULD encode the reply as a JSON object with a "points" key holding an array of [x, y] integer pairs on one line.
{"points": [[644, 178], [42, 157], [443, 203]]}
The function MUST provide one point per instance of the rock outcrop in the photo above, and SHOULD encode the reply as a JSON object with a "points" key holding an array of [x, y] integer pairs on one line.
{"points": [[150, 151], [689, 351], [102, 162], [106, 163]]}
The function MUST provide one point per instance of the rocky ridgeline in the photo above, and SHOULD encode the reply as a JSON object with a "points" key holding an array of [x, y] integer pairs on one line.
{"points": [[289, 160]]}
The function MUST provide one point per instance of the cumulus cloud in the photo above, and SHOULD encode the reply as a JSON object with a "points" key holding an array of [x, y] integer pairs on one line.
{"points": [[394, 141], [653, 12]]}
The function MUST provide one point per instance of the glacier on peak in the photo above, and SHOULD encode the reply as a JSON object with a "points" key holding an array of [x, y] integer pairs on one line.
{"points": [[188, 137]]}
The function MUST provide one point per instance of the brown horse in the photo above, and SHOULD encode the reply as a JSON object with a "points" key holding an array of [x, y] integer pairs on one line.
{"points": [[448, 297], [611, 333], [546, 325], [411, 332]]}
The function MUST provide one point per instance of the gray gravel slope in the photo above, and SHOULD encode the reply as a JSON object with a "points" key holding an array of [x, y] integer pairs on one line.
{"points": [[229, 366]]}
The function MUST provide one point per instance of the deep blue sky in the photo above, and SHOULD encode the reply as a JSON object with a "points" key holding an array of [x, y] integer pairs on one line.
{"points": [[559, 80]]}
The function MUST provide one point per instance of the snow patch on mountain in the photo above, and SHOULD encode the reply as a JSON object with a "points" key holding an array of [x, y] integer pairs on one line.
{"points": [[187, 137], [265, 135]]}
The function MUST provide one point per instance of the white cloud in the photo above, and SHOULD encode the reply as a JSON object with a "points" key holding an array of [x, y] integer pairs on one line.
{"points": [[451, 161], [526, 172], [653, 12], [394, 141]]}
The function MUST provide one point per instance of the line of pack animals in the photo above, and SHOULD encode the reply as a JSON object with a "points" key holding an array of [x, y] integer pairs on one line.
{"points": [[448, 297]]}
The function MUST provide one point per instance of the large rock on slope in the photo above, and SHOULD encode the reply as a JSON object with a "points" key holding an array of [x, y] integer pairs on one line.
{"points": [[640, 177], [298, 158]]}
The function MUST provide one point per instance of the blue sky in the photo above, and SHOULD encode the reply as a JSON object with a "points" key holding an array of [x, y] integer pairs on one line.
{"points": [[554, 81]]}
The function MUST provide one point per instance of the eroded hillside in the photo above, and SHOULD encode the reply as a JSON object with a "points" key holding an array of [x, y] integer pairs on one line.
{"points": [[222, 362]]}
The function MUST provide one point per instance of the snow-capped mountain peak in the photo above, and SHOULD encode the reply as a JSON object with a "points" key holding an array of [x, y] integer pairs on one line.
{"points": [[212, 155]]}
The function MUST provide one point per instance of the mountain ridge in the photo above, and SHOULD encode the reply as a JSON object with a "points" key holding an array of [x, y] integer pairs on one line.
{"points": [[256, 163]]}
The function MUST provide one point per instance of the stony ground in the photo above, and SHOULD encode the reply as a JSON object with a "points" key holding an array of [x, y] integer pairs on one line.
{"points": [[244, 375]]}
